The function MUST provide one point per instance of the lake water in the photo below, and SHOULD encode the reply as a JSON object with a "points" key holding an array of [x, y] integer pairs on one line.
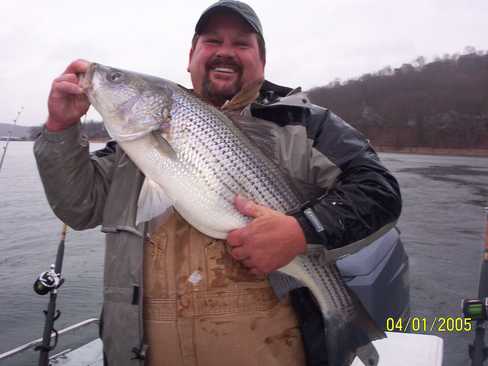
{"points": [[442, 228]]}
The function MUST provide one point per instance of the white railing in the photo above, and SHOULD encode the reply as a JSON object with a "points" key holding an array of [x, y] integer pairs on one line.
{"points": [[38, 341]]}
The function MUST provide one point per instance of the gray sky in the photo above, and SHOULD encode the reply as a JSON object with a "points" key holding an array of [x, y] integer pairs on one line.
{"points": [[309, 43]]}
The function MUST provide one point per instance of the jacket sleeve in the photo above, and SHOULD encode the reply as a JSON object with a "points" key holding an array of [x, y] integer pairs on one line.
{"points": [[365, 197], [76, 183]]}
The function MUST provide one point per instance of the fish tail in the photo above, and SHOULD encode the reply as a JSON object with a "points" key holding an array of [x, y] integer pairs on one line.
{"points": [[347, 339]]}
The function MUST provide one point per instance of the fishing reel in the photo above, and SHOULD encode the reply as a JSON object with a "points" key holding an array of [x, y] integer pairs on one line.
{"points": [[48, 281], [476, 309]]}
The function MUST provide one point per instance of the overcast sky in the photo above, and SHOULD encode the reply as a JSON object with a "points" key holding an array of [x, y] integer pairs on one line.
{"points": [[309, 43]]}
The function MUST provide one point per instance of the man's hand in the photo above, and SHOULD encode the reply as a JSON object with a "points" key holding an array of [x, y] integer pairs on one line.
{"points": [[268, 242], [67, 102]]}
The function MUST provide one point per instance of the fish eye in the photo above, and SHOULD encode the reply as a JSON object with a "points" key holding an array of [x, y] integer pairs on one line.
{"points": [[114, 76]]}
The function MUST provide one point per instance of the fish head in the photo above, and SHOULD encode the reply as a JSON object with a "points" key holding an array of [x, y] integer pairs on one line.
{"points": [[132, 105]]}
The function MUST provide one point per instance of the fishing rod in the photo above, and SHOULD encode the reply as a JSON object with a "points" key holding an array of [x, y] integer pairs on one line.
{"points": [[477, 309], [49, 282], [9, 137]]}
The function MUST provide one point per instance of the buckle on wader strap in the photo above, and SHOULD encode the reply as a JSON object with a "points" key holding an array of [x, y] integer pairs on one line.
{"points": [[140, 352]]}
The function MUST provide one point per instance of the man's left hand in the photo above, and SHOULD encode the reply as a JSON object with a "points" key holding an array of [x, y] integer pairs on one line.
{"points": [[270, 241]]}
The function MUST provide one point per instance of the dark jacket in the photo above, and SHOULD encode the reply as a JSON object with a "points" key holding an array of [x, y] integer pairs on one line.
{"points": [[364, 197]]}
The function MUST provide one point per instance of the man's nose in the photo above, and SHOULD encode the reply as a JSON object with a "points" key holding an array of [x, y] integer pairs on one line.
{"points": [[226, 50]]}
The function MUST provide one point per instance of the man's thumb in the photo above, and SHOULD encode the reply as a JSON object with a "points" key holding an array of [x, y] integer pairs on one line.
{"points": [[247, 207]]}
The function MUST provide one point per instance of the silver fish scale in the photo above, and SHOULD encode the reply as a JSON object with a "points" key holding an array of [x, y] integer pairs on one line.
{"points": [[219, 155]]}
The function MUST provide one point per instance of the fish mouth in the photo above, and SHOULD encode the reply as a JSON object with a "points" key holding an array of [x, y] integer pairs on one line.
{"points": [[86, 78]]}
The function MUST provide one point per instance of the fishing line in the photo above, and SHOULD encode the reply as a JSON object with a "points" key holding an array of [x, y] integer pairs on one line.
{"points": [[476, 310], [9, 137]]}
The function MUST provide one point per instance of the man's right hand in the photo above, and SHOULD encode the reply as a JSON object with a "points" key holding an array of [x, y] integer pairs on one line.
{"points": [[67, 102]]}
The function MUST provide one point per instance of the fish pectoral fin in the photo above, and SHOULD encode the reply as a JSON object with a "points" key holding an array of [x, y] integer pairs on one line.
{"points": [[152, 202], [162, 145]]}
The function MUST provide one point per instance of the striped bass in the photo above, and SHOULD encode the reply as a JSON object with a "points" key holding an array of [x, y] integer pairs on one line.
{"points": [[196, 159]]}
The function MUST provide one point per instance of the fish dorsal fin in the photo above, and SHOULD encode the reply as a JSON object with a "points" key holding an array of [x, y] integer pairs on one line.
{"points": [[246, 95], [260, 132], [152, 201], [264, 135]]}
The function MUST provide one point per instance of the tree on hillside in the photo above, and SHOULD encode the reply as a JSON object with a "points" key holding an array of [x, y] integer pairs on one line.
{"points": [[442, 104]]}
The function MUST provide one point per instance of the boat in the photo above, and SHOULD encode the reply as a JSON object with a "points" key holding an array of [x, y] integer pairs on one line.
{"points": [[399, 349], [377, 274]]}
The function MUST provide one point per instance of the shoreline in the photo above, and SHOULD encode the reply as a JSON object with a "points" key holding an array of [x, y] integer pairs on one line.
{"points": [[483, 153], [406, 150], [433, 151]]}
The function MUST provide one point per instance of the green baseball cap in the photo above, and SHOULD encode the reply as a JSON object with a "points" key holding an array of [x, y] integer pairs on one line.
{"points": [[238, 7]]}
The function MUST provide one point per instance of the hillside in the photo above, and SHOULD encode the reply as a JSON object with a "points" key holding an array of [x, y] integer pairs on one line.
{"points": [[441, 104], [17, 131], [418, 107]]}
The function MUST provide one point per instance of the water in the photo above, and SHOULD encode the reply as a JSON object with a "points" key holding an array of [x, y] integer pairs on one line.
{"points": [[29, 237], [442, 227]]}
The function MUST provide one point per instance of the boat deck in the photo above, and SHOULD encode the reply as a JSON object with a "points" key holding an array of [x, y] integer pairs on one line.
{"points": [[399, 349]]}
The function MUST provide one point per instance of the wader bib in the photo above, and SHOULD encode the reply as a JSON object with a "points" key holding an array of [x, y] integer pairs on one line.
{"points": [[202, 308]]}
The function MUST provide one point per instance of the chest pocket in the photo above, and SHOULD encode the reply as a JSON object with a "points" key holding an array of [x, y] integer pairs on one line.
{"points": [[121, 206]]}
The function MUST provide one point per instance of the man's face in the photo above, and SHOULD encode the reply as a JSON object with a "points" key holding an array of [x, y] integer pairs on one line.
{"points": [[224, 58]]}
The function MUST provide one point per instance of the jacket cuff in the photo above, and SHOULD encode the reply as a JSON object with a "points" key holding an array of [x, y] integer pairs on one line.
{"points": [[311, 236], [69, 135]]}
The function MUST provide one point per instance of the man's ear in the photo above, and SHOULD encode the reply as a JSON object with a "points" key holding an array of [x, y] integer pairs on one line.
{"points": [[190, 56]]}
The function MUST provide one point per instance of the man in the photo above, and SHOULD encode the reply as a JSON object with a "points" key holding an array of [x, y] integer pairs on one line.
{"points": [[173, 296]]}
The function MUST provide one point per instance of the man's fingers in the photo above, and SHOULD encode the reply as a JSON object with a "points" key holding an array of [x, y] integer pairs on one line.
{"points": [[234, 238], [239, 253], [77, 67], [67, 77], [67, 87], [248, 263], [257, 272]]}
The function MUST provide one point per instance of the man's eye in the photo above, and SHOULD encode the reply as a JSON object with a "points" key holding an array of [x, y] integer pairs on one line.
{"points": [[212, 41], [242, 45]]}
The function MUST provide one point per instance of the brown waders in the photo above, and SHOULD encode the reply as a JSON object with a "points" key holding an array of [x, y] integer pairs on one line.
{"points": [[202, 308]]}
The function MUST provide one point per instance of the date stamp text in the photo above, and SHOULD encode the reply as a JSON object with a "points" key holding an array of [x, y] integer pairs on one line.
{"points": [[420, 324]]}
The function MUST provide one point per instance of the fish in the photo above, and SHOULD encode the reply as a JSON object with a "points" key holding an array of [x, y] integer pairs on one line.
{"points": [[196, 158]]}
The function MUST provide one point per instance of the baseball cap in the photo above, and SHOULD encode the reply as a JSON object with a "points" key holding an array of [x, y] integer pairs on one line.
{"points": [[238, 7]]}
